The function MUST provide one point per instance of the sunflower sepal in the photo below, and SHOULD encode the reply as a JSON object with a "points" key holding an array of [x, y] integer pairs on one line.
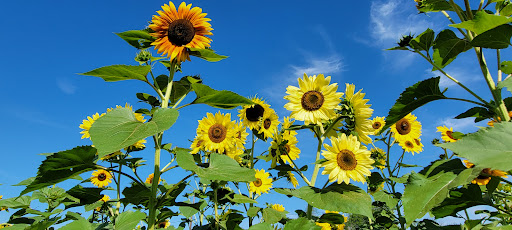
{"points": [[206, 54], [140, 39]]}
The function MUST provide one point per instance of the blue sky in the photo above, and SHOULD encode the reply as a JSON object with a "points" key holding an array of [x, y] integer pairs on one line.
{"points": [[269, 44]]}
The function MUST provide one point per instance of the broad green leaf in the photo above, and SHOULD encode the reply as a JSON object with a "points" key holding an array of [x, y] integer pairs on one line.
{"points": [[85, 195], [331, 218], [17, 227], [43, 224], [336, 197], [128, 220], [262, 226], [218, 99], [139, 39], [490, 147], [423, 41], [242, 199], [301, 223], [446, 48], [386, 198], [507, 83], [153, 101], [412, 98], [119, 128], [16, 202], [188, 211], [206, 54], [253, 211], [25, 182], [273, 216], [222, 168], [435, 167], [81, 223], [480, 113], [423, 193], [506, 67], [62, 166], [136, 194], [506, 11], [482, 22], [496, 38], [120, 72], [459, 199], [182, 87], [434, 6]]}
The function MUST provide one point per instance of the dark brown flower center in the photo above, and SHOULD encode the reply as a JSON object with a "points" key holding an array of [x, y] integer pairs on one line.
{"points": [[403, 127], [102, 177], [181, 32], [286, 149], [258, 182], [417, 142], [346, 160], [449, 134], [312, 100], [409, 144], [217, 133], [254, 113], [161, 225], [376, 125], [267, 123], [199, 143]]}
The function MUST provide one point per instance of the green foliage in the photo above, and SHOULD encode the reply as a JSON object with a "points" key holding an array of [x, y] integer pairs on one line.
{"points": [[221, 168], [412, 98], [483, 21], [434, 6], [383, 196], [506, 67], [496, 38], [119, 128], [335, 197], [458, 200], [81, 223], [301, 223], [479, 113], [139, 39], [273, 216], [62, 166], [16, 202], [218, 99], [446, 48], [120, 72], [262, 226], [206, 54], [85, 196], [423, 41], [507, 83], [128, 220], [488, 148]]}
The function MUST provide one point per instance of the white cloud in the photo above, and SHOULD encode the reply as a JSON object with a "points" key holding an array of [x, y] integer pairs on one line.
{"points": [[461, 73], [328, 65], [66, 86], [459, 125]]}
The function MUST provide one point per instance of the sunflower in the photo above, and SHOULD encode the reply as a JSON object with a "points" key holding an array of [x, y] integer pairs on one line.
{"points": [[287, 123], [197, 144], [362, 113], [346, 159], [485, 176], [5, 225], [338, 226], [250, 115], [315, 100], [407, 128], [291, 178], [177, 30], [284, 147], [87, 123], [149, 180], [262, 184], [379, 156], [105, 198], [491, 122], [446, 133], [412, 146], [240, 134], [164, 224], [139, 145], [217, 132], [101, 178], [325, 226], [234, 152], [268, 123], [377, 124], [278, 207]]}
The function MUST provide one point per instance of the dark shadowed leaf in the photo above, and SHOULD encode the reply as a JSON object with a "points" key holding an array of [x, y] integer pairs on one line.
{"points": [[483, 21], [459, 199], [423, 41], [496, 38], [447, 46]]}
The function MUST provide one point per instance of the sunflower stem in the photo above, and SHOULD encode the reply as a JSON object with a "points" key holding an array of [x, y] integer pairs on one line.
{"points": [[118, 203], [320, 136], [392, 183], [216, 208]]}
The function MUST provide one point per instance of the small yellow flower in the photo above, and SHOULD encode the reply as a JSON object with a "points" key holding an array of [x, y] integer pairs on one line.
{"points": [[379, 156], [262, 184], [149, 180], [446, 133], [412, 146], [101, 178], [217, 132], [407, 128], [197, 145], [5, 225], [164, 224], [278, 207], [377, 124], [105, 198], [325, 226], [87, 123], [268, 123], [250, 115], [362, 113]]}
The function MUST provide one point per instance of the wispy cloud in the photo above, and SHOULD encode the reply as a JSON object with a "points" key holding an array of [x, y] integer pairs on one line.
{"points": [[66, 86], [459, 125], [459, 72], [326, 65]]}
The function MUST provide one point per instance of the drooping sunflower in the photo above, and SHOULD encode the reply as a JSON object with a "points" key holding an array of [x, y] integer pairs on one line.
{"points": [[486, 175], [377, 124], [178, 30], [164, 224], [284, 147], [315, 100], [262, 184], [101, 178], [291, 178], [278, 207], [446, 133], [346, 159], [87, 123], [492, 121], [407, 128], [105, 198], [139, 145], [217, 132], [412, 146], [268, 123], [379, 156], [149, 180], [250, 115], [362, 113]]}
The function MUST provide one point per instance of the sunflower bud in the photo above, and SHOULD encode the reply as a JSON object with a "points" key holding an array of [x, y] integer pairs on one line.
{"points": [[143, 56], [405, 40]]}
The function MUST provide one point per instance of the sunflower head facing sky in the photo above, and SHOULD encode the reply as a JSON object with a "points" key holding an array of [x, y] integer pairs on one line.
{"points": [[250, 115], [217, 132], [377, 124], [446, 133], [179, 29], [314, 101], [412, 145], [407, 128], [101, 178], [262, 184]]}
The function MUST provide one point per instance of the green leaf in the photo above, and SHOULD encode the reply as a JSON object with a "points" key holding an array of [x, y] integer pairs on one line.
{"points": [[221, 168], [128, 220], [206, 54], [120, 72], [446, 48], [423, 193], [459, 199], [423, 41], [507, 10], [480, 113], [242, 199], [183, 87], [434, 6], [301, 223], [482, 22], [412, 98], [136, 194], [331, 218], [506, 83], [506, 67], [273, 216], [496, 38], [85, 195], [16, 202], [62, 166], [81, 223], [218, 99], [119, 128], [253, 211], [262, 226], [153, 101], [139, 39], [188, 211], [495, 142], [386, 198], [25, 182], [336, 197]]}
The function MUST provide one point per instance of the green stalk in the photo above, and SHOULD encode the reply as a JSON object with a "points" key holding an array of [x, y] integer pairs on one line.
{"points": [[320, 136], [216, 208], [252, 166], [118, 203], [392, 183]]}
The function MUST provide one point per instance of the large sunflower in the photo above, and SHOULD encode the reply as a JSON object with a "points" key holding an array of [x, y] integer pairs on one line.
{"points": [[446, 133], [250, 115], [177, 30], [268, 123], [87, 123], [262, 184], [377, 124], [101, 178], [362, 113], [407, 128], [315, 100], [217, 132], [346, 159]]}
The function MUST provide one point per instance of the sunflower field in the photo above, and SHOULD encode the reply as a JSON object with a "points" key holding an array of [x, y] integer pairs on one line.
{"points": [[245, 165]]}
